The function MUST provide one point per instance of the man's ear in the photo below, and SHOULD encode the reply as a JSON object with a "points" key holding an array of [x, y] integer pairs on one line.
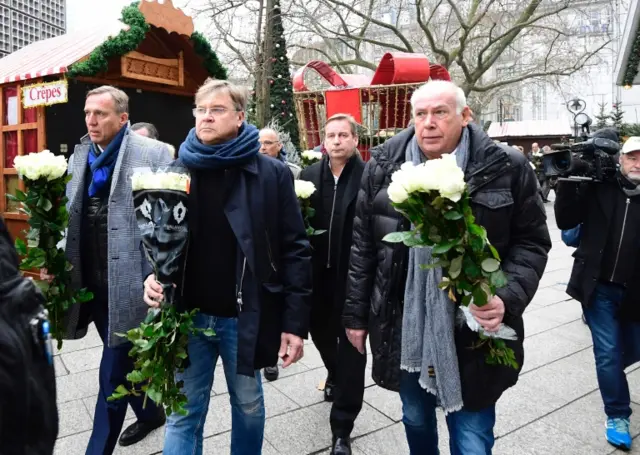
{"points": [[466, 116]]}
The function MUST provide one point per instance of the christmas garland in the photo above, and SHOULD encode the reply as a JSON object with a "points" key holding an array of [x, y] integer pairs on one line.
{"points": [[210, 60], [128, 40], [634, 60]]}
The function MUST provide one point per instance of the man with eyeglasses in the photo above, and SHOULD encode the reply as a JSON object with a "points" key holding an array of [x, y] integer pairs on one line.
{"points": [[248, 270], [271, 145]]}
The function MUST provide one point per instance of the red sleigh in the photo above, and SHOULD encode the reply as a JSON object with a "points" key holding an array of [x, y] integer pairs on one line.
{"points": [[380, 104]]}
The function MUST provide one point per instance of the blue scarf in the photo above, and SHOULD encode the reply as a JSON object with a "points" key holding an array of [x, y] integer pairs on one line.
{"points": [[103, 164], [239, 150]]}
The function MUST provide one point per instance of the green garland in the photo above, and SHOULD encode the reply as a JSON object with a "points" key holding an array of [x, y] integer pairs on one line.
{"points": [[210, 60], [634, 60], [126, 41]]}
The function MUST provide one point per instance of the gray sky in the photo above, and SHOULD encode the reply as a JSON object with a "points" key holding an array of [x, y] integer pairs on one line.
{"points": [[83, 14]]}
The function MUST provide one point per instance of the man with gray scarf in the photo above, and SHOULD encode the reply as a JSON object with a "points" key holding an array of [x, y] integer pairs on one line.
{"points": [[606, 274], [417, 347]]}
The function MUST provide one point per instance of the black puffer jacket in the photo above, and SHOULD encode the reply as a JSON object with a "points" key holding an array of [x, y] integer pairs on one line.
{"points": [[505, 201], [28, 411]]}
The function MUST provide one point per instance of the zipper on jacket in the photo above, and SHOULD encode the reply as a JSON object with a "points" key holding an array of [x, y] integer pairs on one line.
{"points": [[333, 209], [269, 252], [624, 223], [239, 288]]}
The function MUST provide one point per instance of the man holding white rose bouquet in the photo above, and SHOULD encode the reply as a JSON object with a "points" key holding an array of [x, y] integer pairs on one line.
{"points": [[418, 347]]}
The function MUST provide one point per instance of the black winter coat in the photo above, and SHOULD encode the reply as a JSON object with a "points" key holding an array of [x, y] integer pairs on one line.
{"points": [[263, 211], [28, 411], [339, 233], [593, 205], [505, 200]]}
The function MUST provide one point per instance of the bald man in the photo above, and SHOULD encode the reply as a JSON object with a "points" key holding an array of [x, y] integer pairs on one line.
{"points": [[271, 145]]}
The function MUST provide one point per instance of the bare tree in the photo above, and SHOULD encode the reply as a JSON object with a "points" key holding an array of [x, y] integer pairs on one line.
{"points": [[486, 44]]}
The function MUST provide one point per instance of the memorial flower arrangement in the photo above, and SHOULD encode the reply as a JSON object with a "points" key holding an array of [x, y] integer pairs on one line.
{"points": [[304, 190], [160, 342], [434, 197], [309, 157], [44, 202]]}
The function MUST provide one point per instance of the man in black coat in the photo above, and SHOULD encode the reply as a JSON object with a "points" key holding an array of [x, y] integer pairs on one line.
{"points": [[337, 180], [505, 200], [605, 278]]}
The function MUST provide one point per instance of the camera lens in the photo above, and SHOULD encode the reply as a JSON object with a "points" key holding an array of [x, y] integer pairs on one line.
{"points": [[562, 162]]}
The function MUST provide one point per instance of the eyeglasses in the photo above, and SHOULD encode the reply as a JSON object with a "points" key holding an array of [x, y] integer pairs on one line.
{"points": [[215, 111]]}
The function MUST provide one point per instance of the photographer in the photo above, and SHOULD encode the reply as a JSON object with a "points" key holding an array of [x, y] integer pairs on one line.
{"points": [[606, 277]]}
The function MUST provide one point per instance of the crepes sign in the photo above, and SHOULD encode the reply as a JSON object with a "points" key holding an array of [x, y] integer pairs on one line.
{"points": [[44, 94]]}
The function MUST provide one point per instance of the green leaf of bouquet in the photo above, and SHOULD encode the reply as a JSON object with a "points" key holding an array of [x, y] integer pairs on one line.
{"points": [[44, 204], [494, 252], [209, 333], [498, 279], [470, 268], [435, 265], [121, 390], [155, 395], [135, 377], [478, 230], [481, 294], [453, 215], [466, 300], [456, 267], [396, 237], [444, 247], [21, 247], [490, 265]]}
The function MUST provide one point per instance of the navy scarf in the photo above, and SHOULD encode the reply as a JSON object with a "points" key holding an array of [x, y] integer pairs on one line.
{"points": [[103, 164], [239, 150]]}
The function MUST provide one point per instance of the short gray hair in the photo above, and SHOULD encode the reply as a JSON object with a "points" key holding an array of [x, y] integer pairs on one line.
{"points": [[237, 93], [120, 98], [440, 86], [349, 118], [270, 130], [150, 127]]}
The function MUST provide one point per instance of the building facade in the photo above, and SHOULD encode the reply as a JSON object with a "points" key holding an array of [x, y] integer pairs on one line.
{"points": [[24, 21]]}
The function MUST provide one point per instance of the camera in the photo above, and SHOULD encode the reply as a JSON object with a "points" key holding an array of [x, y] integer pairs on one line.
{"points": [[592, 160]]}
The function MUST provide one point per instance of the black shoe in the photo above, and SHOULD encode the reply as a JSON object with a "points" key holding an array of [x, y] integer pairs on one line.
{"points": [[137, 431], [271, 373], [341, 446], [328, 392]]}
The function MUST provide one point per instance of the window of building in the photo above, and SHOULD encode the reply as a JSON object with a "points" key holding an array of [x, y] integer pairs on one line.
{"points": [[18, 136]]}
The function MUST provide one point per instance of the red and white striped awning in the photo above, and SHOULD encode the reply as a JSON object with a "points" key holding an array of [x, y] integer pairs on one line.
{"points": [[54, 55]]}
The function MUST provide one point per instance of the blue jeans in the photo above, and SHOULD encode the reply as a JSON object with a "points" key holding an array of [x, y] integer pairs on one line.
{"points": [[470, 433], [616, 345], [184, 433], [114, 366]]}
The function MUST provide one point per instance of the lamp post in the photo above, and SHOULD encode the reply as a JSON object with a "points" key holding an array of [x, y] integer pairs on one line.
{"points": [[580, 120]]}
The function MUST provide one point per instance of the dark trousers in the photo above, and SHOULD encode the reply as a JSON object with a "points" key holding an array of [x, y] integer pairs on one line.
{"points": [[323, 328], [114, 367], [349, 387]]}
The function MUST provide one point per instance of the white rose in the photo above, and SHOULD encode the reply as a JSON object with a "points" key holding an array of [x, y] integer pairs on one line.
{"points": [[304, 189], [397, 193], [147, 180], [311, 155], [532, 165], [450, 177], [41, 165]]}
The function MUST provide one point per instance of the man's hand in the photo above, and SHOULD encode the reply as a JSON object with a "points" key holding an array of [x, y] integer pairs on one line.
{"points": [[152, 292], [490, 315], [357, 338], [44, 275], [291, 349]]}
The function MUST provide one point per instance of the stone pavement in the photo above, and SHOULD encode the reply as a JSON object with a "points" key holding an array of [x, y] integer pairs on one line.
{"points": [[554, 409]]}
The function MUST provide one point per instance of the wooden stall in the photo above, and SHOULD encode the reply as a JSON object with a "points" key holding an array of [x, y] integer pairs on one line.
{"points": [[43, 86]]}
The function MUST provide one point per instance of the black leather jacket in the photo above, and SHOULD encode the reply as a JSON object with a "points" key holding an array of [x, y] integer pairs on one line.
{"points": [[505, 200]]}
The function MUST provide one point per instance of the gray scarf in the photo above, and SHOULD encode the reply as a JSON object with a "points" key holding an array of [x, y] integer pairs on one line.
{"points": [[428, 344]]}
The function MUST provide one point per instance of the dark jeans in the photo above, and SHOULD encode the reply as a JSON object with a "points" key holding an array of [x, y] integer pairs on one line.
{"points": [[470, 433], [323, 328], [114, 367], [616, 345], [349, 387]]}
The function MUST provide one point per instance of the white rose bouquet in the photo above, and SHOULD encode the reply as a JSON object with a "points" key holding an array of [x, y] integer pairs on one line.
{"points": [[161, 200], [434, 198], [309, 157], [44, 202], [304, 190]]}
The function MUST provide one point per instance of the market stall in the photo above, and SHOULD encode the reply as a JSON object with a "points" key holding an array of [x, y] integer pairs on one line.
{"points": [[152, 53]]}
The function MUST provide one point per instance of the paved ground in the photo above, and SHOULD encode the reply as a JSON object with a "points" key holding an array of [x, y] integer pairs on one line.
{"points": [[554, 409]]}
